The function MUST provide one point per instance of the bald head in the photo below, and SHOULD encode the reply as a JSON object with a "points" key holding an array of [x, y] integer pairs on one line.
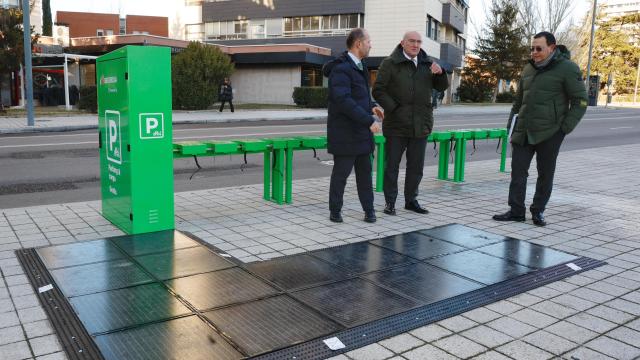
{"points": [[411, 43], [411, 34]]}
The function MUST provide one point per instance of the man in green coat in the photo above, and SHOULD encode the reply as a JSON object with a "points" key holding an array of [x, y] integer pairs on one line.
{"points": [[550, 102], [403, 88]]}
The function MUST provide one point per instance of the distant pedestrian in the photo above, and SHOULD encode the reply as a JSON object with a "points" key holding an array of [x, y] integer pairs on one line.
{"points": [[350, 124], [550, 101], [226, 94], [435, 94]]}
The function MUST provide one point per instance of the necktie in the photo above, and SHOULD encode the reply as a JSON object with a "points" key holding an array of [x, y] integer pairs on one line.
{"points": [[360, 66]]}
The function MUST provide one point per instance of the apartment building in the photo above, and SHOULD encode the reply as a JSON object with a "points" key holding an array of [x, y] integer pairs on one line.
{"points": [[614, 8], [442, 24], [83, 24]]}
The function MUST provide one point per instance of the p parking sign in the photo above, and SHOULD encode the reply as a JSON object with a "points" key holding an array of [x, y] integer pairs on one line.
{"points": [[113, 136], [151, 126]]}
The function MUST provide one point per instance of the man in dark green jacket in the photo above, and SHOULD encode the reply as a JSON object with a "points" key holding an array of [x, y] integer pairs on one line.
{"points": [[550, 102], [403, 88]]}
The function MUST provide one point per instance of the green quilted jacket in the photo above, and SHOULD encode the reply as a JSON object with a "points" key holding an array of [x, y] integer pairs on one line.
{"points": [[549, 99]]}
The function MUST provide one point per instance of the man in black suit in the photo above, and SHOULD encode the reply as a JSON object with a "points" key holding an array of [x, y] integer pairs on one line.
{"points": [[351, 124]]}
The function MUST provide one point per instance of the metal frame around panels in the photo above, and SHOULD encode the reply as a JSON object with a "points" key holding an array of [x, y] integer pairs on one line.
{"points": [[397, 324], [74, 338]]}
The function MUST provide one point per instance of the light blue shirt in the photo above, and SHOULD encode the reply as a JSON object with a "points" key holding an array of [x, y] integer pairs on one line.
{"points": [[354, 58]]}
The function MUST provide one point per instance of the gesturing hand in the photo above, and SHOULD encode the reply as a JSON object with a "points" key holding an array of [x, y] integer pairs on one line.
{"points": [[379, 112], [375, 127], [436, 69]]}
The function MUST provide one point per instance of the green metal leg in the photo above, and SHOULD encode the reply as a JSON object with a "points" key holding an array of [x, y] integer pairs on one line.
{"points": [[288, 187], [461, 152], [503, 155], [443, 164], [380, 169], [277, 176], [267, 175]]}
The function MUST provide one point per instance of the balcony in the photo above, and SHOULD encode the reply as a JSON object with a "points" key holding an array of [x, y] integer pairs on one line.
{"points": [[451, 53], [453, 17]]}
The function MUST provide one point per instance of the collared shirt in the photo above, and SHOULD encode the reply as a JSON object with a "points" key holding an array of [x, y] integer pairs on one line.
{"points": [[355, 59], [414, 60]]}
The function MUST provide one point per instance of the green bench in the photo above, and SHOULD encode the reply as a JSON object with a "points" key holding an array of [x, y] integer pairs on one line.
{"points": [[278, 155]]}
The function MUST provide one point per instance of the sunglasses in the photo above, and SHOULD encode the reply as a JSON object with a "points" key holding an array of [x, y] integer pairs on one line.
{"points": [[535, 49]]}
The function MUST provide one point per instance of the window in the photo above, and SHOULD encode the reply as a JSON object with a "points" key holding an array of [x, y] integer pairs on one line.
{"points": [[99, 32], [257, 29], [123, 26], [311, 76], [274, 27], [433, 28], [227, 30], [108, 32], [297, 24], [326, 25], [348, 21], [330, 22], [194, 32]]}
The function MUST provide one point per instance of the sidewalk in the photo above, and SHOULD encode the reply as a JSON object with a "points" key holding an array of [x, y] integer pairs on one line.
{"points": [[82, 122], [594, 212]]}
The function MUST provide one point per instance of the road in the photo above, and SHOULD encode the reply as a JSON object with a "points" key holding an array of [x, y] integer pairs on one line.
{"points": [[49, 168]]}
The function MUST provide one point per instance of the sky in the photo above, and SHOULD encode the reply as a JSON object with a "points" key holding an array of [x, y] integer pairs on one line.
{"points": [[132, 7], [155, 8], [478, 8]]}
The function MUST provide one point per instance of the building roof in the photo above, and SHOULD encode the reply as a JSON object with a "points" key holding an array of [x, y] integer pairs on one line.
{"points": [[240, 54]]}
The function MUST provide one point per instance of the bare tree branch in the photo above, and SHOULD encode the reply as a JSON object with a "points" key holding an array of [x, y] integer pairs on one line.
{"points": [[557, 11]]}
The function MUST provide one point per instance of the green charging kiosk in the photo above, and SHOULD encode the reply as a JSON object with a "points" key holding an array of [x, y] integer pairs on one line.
{"points": [[135, 130]]}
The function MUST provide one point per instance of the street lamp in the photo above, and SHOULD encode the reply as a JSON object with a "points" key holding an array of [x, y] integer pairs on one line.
{"points": [[593, 32], [27, 61]]}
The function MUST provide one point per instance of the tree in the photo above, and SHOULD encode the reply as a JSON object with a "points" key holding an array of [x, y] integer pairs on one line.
{"points": [[501, 46], [615, 50], [546, 15], [476, 84], [12, 40], [196, 74], [46, 18]]}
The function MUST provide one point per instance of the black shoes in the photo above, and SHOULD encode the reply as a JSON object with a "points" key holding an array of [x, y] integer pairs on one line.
{"points": [[389, 209], [370, 216], [538, 219], [508, 216], [415, 207]]}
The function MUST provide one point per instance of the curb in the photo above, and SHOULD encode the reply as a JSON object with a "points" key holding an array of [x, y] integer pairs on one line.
{"points": [[25, 129]]}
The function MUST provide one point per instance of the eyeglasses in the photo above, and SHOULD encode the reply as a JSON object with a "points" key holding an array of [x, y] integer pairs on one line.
{"points": [[536, 49]]}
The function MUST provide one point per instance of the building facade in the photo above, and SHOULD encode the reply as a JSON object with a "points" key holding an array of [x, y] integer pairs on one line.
{"points": [[83, 24], [327, 23], [615, 8]]}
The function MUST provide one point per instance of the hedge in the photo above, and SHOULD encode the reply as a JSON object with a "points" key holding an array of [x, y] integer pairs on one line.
{"points": [[311, 97], [88, 99]]}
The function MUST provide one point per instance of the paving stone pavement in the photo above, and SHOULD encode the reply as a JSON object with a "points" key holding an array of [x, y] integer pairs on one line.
{"points": [[594, 211]]}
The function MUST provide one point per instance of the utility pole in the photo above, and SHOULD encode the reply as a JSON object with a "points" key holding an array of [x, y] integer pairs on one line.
{"points": [[635, 92], [593, 33], [27, 61]]}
